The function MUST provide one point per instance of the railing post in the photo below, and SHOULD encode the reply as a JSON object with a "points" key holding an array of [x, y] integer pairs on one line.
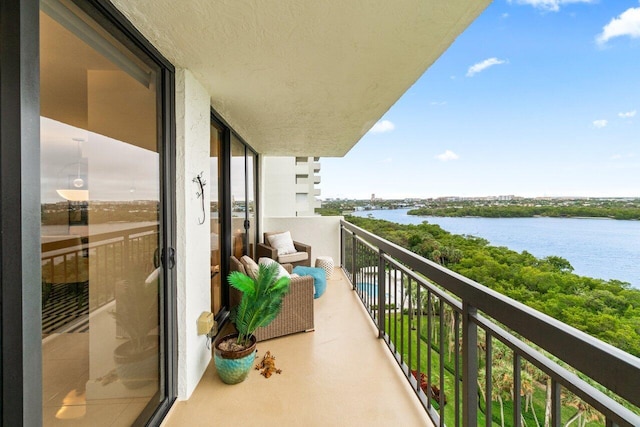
{"points": [[126, 254], [353, 260], [381, 292], [469, 366], [342, 254], [556, 404]]}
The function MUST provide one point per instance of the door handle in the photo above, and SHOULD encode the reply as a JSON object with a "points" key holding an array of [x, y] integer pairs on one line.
{"points": [[169, 258], [156, 258]]}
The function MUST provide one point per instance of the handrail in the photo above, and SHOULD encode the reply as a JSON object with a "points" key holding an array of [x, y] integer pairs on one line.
{"points": [[66, 261], [613, 368], [72, 240]]}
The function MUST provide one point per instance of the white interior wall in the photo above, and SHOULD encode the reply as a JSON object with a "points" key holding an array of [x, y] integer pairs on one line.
{"points": [[192, 246]]}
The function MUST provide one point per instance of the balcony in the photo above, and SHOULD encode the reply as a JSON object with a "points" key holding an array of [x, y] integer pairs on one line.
{"points": [[302, 168], [481, 358], [339, 373], [303, 188]]}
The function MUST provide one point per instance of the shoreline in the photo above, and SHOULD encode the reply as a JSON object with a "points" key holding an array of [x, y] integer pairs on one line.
{"points": [[518, 217], [540, 246]]}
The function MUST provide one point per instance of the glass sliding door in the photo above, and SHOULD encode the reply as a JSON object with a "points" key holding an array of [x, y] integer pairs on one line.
{"points": [[251, 200], [243, 198], [101, 216], [239, 244]]}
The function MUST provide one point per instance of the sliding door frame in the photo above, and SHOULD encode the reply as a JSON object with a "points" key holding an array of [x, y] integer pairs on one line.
{"points": [[224, 219], [110, 18], [224, 207], [20, 253], [20, 275]]}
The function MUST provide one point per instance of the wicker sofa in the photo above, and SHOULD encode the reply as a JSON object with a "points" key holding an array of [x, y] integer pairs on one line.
{"points": [[297, 306]]}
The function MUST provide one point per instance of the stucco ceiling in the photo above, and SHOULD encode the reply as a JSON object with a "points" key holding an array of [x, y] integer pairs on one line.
{"points": [[302, 77]]}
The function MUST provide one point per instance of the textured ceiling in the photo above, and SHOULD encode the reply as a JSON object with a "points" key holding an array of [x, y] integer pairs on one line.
{"points": [[302, 77]]}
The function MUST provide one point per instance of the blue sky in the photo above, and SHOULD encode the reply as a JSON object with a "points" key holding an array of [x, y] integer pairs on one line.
{"points": [[535, 98]]}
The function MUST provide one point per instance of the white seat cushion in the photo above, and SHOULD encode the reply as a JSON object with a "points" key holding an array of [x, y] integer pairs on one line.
{"points": [[282, 242], [282, 272], [294, 257]]}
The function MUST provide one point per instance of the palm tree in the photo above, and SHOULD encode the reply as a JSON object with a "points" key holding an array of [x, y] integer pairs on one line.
{"points": [[501, 377], [501, 389], [534, 376], [570, 399], [526, 389], [585, 412], [417, 305], [591, 414], [450, 316], [502, 383], [547, 406]]}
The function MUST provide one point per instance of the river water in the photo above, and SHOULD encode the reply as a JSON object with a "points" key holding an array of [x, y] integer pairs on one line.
{"points": [[601, 248]]}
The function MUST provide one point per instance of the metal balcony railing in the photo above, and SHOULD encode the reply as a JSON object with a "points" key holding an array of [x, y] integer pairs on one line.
{"points": [[71, 265], [476, 357]]}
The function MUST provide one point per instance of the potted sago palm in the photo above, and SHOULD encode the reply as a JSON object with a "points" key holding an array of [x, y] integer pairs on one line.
{"points": [[260, 303]]}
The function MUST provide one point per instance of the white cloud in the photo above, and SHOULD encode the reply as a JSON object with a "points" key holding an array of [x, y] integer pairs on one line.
{"points": [[505, 15], [620, 156], [549, 5], [447, 155], [383, 126], [627, 24], [387, 160], [438, 102], [481, 66], [627, 115], [599, 124]]}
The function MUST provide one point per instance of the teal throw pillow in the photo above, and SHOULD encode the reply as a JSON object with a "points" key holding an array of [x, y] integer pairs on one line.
{"points": [[319, 278]]}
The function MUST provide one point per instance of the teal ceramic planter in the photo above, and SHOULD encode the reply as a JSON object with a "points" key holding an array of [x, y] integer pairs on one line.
{"points": [[234, 366]]}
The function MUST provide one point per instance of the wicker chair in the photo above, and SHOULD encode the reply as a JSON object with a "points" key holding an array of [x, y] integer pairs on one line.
{"points": [[297, 306], [264, 250]]}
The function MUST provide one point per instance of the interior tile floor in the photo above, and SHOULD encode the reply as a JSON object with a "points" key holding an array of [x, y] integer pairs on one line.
{"points": [[66, 375], [341, 374]]}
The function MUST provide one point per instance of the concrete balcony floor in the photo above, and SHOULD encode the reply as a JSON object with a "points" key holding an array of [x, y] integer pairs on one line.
{"points": [[340, 374]]}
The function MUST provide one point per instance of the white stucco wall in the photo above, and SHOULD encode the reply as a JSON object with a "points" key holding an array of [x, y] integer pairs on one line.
{"points": [[192, 246], [321, 232]]}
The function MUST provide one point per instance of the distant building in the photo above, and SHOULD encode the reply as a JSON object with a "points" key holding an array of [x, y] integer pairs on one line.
{"points": [[289, 185]]}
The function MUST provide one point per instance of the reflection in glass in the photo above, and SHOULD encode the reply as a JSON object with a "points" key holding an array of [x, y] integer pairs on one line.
{"points": [[216, 289], [243, 198], [251, 201], [238, 198], [100, 191]]}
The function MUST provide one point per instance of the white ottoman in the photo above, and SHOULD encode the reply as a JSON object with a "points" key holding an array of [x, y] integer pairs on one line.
{"points": [[325, 263]]}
